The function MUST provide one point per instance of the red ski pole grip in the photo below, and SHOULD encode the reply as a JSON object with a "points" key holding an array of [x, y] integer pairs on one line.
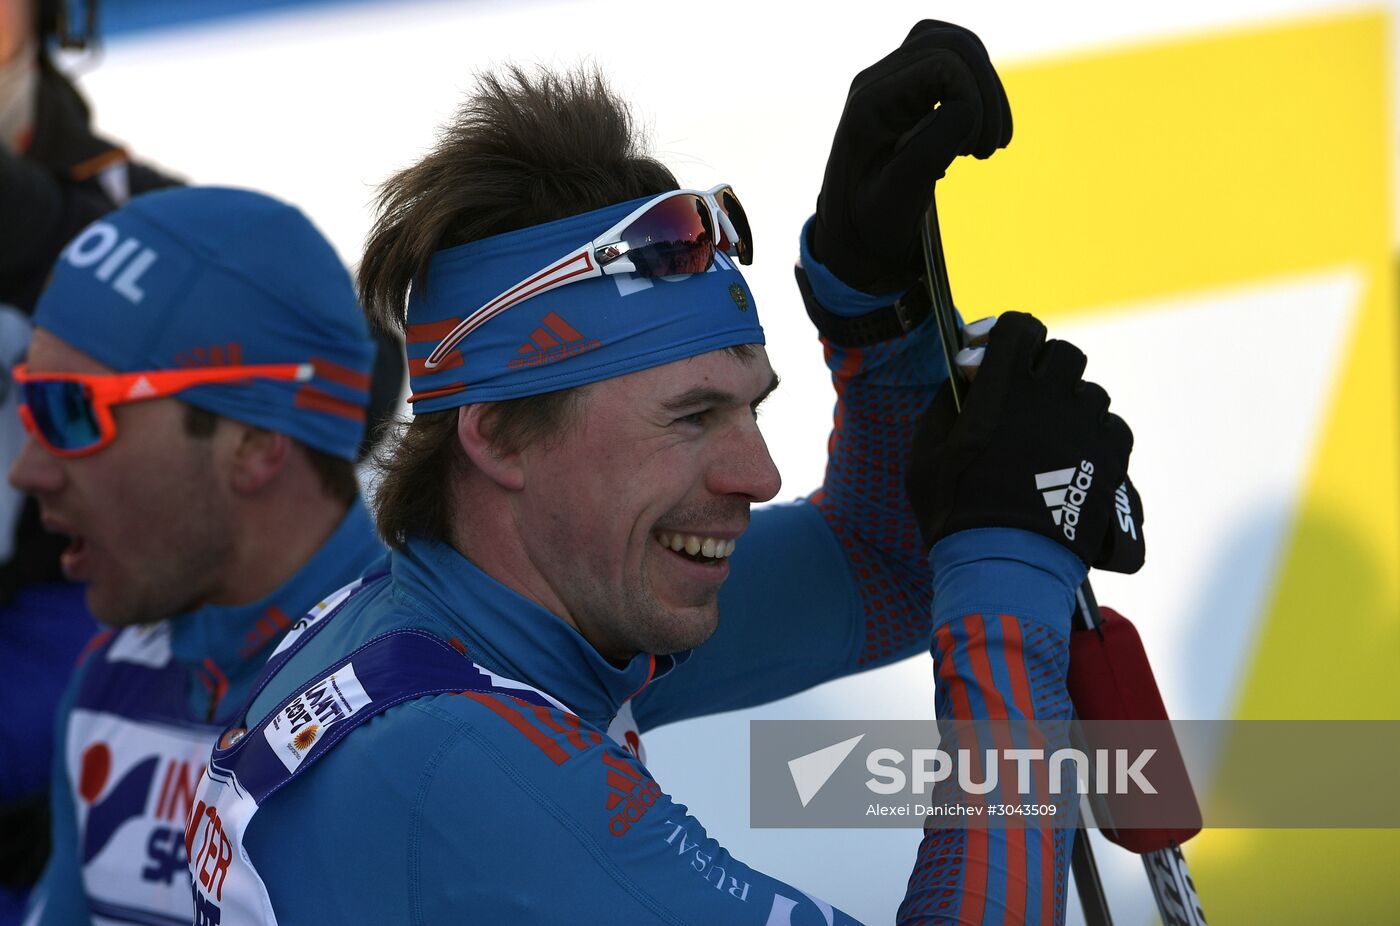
{"points": [[1110, 679]]}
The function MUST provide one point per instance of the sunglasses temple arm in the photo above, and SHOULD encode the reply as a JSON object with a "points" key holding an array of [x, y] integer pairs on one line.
{"points": [[506, 300], [730, 232]]}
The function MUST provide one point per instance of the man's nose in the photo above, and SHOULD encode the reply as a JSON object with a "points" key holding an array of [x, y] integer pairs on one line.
{"points": [[36, 471], [745, 467]]}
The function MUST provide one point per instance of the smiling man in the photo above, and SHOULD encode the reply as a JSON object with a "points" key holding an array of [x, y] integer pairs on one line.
{"points": [[573, 555], [661, 466]]}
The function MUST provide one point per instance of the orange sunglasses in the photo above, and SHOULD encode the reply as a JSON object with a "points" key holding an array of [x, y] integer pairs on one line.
{"points": [[71, 413]]}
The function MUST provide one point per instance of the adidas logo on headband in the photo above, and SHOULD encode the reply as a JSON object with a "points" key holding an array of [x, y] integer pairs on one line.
{"points": [[555, 339]]}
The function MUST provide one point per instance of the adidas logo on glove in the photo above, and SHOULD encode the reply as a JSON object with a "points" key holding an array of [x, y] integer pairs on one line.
{"points": [[1064, 491]]}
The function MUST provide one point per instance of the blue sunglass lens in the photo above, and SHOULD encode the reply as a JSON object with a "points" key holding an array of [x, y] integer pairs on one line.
{"points": [[63, 413]]}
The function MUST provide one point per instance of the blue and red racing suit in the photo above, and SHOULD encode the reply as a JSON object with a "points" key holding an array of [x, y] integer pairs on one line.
{"points": [[511, 803], [133, 733], [495, 790]]}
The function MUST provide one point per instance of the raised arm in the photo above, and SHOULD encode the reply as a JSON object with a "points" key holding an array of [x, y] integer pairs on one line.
{"points": [[838, 583], [1006, 565]]}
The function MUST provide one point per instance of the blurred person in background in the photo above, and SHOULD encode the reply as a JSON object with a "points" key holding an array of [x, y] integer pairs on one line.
{"points": [[56, 176], [194, 396]]}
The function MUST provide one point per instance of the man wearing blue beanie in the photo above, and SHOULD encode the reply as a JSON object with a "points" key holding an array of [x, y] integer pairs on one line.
{"points": [[194, 395], [575, 558]]}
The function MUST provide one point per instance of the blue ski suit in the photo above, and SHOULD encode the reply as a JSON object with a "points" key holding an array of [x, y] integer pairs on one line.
{"points": [[504, 803]]}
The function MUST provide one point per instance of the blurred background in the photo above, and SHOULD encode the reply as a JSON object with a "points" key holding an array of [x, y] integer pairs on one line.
{"points": [[1199, 193]]}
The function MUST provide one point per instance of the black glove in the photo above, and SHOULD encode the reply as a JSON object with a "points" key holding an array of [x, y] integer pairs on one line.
{"points": [[1125, 547], [892, 145], [1035, 448]]}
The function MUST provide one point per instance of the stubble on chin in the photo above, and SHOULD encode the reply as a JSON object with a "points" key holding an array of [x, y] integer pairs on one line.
{"points": [[652, 628], [175, 576], [144, 602]]}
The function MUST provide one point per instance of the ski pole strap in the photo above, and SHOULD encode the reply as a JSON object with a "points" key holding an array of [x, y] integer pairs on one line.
{"points": [[902, 316]]}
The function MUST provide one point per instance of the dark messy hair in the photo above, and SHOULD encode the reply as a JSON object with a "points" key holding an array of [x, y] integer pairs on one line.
{"points": [[527, 147]]}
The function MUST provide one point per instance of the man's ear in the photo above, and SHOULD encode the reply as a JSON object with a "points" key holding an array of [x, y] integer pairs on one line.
{"points": [[256, 455], [473, 428]]}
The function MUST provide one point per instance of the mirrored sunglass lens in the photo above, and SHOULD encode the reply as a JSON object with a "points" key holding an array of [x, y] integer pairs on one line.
{"points": [[732, 208], [672, 237], [62, 412]]}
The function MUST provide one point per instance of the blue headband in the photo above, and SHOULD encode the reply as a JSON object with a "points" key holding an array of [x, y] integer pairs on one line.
{"points": [[199, 276], [580, 333]]}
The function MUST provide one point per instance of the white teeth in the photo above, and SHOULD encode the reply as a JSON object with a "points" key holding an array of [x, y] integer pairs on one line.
{"points": [[710, 547]]}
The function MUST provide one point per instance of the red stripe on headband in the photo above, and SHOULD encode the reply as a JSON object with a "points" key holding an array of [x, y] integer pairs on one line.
{"points": [[340, 375], [313, 399], [434, 393], [418, 366], [509, 299], [430, 331]]}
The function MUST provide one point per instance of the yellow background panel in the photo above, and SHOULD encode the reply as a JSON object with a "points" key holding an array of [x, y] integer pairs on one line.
{"points": [[1182, 166]]}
